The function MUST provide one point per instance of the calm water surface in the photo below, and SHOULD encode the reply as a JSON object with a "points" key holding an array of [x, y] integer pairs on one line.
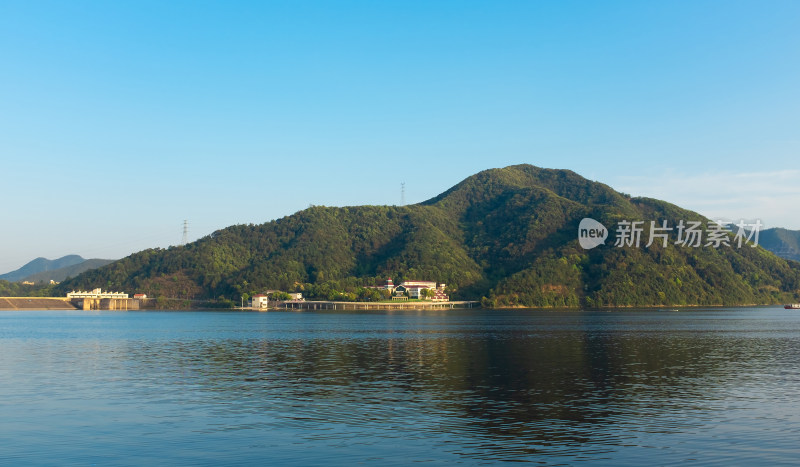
{"points": [[715, 386]]}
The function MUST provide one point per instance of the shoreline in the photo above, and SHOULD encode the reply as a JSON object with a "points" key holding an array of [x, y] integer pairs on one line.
{"points": [[322, 305], [59, 303]]}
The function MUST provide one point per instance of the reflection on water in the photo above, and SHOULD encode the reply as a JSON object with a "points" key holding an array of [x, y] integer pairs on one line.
{"points": [[205, 388]]}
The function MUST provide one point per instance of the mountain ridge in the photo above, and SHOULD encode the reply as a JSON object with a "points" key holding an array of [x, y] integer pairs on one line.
{"points": [[507, 236], [41, 264], [60, 274], [44, 270]]}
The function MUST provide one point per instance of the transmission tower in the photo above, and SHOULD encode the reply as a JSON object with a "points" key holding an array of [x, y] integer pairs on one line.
{"points": [[402, 193], [185, 232]]}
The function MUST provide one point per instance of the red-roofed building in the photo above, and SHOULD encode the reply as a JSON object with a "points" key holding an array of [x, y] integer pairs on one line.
{"points": [[440, 296]]}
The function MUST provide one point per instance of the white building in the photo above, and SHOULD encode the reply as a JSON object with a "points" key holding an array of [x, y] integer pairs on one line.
{"points": [[259, 301], [420, 284], [96, 293], [415, 291], [414, 288]]}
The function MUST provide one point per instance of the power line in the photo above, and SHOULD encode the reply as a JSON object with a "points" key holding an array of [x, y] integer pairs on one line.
{"points": [[402, 193]]}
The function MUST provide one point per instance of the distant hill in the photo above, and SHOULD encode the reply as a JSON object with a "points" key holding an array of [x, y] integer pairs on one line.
{"points": [[40, 265], [506, 236], [60, 274], [784, 243], [44, 270]]}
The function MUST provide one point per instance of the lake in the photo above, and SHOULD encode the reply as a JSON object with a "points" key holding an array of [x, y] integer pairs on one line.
{"points": [[707, 386]]}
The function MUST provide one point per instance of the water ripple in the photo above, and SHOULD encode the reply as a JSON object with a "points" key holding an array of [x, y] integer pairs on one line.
{"points": [[392, 388]]}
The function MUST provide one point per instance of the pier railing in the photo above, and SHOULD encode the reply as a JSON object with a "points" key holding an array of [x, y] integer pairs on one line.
{"points": [[326, 305]]}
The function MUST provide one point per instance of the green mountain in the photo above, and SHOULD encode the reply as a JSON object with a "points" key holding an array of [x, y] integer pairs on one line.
{"points": [[41, 265], [508, 236], [784, 243]]}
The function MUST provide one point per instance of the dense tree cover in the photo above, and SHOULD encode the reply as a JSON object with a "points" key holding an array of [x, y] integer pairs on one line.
{"points": [[508, 236], [322, 251]]}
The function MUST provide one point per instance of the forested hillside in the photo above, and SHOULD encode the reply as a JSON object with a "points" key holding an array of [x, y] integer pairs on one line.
{"points": [[507, 236]]}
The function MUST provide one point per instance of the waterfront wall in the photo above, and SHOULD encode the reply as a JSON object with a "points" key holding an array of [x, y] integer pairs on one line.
{"points": [[398, 305]]}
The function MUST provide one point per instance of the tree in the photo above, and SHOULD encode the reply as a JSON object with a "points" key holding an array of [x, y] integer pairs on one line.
{"points": [[280, 296]]}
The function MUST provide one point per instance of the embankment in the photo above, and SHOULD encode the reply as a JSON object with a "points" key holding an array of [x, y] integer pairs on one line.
{"points": [[35, 303]]}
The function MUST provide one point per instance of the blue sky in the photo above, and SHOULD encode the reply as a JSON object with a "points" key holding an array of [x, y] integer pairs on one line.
{"points": [[118, 120]]}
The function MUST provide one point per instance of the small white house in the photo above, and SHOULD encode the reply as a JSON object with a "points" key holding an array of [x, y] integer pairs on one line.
{"points": [[259, 301]]}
